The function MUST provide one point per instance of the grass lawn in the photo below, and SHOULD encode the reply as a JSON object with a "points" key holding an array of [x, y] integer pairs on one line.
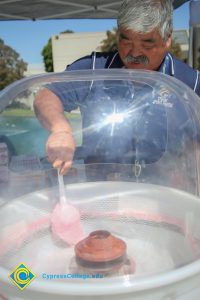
{"points": [[19, 112]]}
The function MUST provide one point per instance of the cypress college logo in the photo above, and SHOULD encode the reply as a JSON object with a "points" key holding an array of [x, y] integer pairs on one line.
{"points": [[22, 276]]}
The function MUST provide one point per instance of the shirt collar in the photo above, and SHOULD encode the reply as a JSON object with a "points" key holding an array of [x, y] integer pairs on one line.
{"points": [[115, 61], [167, 65]]}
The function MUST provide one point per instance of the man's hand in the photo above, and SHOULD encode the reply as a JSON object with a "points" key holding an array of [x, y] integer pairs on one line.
{"points": [[60, 149], [60, 145]]}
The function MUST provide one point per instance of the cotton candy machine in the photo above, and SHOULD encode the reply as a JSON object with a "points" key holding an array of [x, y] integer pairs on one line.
{"points": [[134, 181]]}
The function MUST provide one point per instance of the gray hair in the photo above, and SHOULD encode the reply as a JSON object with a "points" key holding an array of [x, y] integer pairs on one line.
{"points": [[146, 15]]}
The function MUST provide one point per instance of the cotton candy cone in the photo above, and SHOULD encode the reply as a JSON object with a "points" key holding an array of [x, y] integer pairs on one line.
{"points": [[66, 224]]}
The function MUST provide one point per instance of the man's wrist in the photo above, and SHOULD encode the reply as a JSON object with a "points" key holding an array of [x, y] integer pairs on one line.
{"points": [[61, 126], [62, 131]]}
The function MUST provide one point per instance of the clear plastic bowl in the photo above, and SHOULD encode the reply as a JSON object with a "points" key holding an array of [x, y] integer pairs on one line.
{"points": [[135, 175]]}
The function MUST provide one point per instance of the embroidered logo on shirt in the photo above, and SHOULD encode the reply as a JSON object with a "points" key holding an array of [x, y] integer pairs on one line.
{"points": [[163, 98]]}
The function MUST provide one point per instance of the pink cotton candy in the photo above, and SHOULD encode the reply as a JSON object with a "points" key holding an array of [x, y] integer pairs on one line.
{"points": [[66, 224], [15, 235]]}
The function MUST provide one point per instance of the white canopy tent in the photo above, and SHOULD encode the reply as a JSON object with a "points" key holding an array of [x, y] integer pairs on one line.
{"points": [[62, 9]]}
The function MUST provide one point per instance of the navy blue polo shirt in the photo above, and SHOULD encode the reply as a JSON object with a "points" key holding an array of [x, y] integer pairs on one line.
{"points": [[170, 66], [142, 135]]}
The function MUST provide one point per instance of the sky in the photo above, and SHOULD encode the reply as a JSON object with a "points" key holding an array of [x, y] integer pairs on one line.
{"points": [[29, 37]]}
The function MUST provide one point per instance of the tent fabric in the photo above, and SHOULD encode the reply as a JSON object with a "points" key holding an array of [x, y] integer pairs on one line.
{"points": [[62, 9]]}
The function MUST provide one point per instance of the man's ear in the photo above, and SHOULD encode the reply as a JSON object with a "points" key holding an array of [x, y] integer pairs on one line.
{"points": [[168, 41]]}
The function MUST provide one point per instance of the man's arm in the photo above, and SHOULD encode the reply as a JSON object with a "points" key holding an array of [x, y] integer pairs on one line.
{"points": [[60, 145]]}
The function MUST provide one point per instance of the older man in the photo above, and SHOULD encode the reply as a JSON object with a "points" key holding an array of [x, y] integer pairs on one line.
{"points": [[144, 37]]}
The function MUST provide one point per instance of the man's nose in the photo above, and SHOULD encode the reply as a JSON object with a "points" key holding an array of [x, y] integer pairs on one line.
{"points": [[135, 51]]}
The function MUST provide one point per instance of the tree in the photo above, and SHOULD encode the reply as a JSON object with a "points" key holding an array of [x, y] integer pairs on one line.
{"points": [[110, 44], [48, 55], [175, 49], [18, 104], [67, 31], [12, 67]]}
